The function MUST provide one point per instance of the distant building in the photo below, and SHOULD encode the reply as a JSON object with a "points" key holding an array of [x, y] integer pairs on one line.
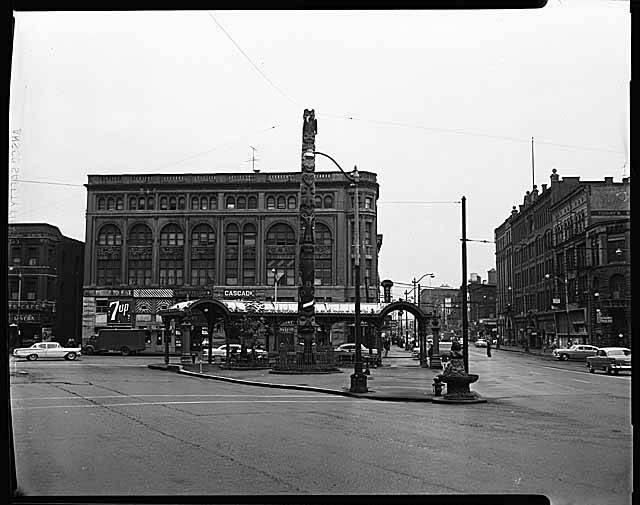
{"points": [[45, 284], [481, 305], [563, 265], [444, 302]]}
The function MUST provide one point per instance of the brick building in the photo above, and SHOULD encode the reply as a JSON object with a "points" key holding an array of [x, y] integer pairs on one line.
{"points": [[563, 265], [481, 305], [155, 240], [44, 284]]}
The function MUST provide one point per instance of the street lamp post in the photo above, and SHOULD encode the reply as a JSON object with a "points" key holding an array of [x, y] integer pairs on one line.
{"points": [[276, 279], [416, 301], [358, 379]]}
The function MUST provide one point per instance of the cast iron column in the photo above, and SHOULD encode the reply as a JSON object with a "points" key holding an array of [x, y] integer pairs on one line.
{"points": [[306, 289]]}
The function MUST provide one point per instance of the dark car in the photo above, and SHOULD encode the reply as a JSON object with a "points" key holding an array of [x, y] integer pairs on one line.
{"points": [[610, 359]]}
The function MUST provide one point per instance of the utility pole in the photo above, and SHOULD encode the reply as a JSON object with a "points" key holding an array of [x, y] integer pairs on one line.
{"points": [[253, 159], [465, 323]]}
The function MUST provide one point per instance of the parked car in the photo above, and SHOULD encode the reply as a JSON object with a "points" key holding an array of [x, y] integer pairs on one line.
{"points": [[351, 348], [576, 351], [610, 359], [47, 350], [481, 342], [221, 351]]}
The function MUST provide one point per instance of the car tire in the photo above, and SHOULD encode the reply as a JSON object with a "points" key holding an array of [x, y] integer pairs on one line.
{"points": [[88, 350], [609, 370], [125, 351], [71, 356], [32, 357], [615, 372], [591, 369], [564, 357]]}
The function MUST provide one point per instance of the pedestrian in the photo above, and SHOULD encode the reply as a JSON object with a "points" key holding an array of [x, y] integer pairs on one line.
{"points": [[430, 353], [488, 348], [387, 346], [71, 342]]}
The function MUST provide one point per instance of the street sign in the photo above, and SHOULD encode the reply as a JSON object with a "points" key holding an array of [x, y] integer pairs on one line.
{"points": [[606, 319]]}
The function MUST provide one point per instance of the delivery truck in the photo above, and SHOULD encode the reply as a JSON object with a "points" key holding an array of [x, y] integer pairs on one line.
{"points": [[122, 340]]}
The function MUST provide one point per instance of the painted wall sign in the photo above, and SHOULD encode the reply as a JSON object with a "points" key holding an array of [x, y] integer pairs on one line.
{"points": [[119, 311]]}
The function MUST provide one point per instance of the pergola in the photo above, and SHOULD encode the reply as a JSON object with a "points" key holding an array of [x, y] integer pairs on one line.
{"points": [[274, 314]]}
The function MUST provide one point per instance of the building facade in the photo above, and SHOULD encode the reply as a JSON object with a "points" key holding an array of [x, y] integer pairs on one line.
{"points": [[481, 305], [563, 265], [44, 284], [445, 302], [155, 240]]}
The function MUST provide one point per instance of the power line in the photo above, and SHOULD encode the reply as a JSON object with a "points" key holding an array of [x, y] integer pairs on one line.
{"points": [[264, 76], [50, 183], [466, 132]]}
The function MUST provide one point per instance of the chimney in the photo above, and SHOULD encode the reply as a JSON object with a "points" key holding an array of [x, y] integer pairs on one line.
{"points": [[625, 180], [514, 211], [554, 176], [608, 180], [544, 188]]}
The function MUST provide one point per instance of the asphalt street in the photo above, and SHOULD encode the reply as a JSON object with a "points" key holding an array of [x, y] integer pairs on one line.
{"points": [[109, 425]]}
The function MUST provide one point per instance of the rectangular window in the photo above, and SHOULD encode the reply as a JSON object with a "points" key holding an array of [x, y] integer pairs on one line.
{"points": [[102, 305], [323, 271], [616, 250], [171, 272]]}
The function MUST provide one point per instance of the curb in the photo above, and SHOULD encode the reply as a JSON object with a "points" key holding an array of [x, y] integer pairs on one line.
{"points": [[178, 369]]}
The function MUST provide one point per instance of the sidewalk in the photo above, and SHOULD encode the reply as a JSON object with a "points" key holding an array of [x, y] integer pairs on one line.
{"points": [[399, 379]]}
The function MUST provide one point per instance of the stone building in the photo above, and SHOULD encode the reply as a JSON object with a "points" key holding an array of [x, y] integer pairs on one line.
{"points": [[481, 305], [44, 284], [155, 240], [563, 265]]}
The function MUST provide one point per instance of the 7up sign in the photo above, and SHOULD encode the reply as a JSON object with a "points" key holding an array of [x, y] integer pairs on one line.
{"points": [[119, 312]]}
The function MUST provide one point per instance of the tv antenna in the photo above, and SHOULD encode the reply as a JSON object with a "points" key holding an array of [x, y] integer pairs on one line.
{"points": [[253, 159]]}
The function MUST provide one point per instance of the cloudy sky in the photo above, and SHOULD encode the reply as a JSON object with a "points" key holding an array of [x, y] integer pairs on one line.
{"points": [[439, 104]]}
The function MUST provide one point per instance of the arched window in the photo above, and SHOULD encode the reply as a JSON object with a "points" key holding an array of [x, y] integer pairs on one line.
{"points": [[282, 203], [291, 202], [171, 256], [230, 202], [252, 202], [119, 203], [150, 203], [164, 203], [323, 255], [271, 202], [281, 253], [181, 203], [139, 247], [213, 202], [231, 255], [203, 255], [133, 203], [171, 235], [101, 203], [241, 203], [204, 203], [173, 203], [249, 255], [318, 201], [616, 286], [141, 203], [108, 253], [195, 203], [111, 204], [328, 202]]}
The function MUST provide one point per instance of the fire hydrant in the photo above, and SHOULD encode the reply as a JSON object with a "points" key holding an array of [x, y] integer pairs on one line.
{"points": [[437, 386]]}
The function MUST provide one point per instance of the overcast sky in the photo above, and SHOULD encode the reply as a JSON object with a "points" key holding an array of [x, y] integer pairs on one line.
{"points": [[439, 104]]}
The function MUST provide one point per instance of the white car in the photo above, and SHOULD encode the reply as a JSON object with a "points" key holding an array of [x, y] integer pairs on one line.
{"points": [[47, 350], [351, 348], [222, 351], [481, 342]]}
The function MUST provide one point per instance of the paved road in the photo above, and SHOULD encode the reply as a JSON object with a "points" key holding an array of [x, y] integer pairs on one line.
{"points": [[110, 425]]}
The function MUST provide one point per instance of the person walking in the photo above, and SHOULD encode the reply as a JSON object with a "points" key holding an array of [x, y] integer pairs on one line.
{"points": [[387, 347], [488, 347]]}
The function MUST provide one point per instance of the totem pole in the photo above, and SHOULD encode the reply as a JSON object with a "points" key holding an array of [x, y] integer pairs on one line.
{"points": [[306, 302]]}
